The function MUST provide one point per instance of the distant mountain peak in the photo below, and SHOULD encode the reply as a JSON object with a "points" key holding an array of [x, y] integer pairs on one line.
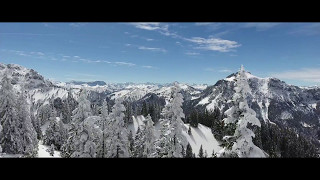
{"points": [[92, 83]]}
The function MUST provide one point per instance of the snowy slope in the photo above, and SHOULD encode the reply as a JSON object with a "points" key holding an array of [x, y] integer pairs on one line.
{"points": [[43, 153], [199, 136], [137, 122], [202, 135]]}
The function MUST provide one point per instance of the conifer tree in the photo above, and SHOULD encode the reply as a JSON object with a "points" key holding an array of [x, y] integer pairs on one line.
{"points": [[27, 131], [239, 115], [56, 133], [194, 119], [18, 135], [189, 153], [201, 155], [131, 142], [119, 144], [214, 155], [35, 123], [162, 142], [105, 125], [10, 136], [139, 143], [149, 138], [74, 145], [175, 115], [171, 139]]}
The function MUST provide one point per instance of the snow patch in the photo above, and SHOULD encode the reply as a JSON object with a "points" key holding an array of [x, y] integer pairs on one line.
{"points": [[286, 115], [202, 135], [137, 122], [204, 101], [43, 153], [194, 97], [230, 78], [305, 125], [200, 87]]}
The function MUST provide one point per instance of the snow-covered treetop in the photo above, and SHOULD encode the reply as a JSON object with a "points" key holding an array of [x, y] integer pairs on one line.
{"points": [[83, 110]]}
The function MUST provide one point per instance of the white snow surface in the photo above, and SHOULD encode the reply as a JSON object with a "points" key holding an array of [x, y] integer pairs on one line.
{"points": [[200, 86], [194, 97], [230, 78], [42, 151], [204, 101], [202, 135], [137, 122]]}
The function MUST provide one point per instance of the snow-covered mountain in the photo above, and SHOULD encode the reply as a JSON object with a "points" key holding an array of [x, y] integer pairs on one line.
{"points": [[39, 89], [94, 83], [135, 92], [273, 100]]}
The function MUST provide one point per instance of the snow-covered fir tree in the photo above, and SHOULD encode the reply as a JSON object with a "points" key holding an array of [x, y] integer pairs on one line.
{"points": [[240, 115], [10, 138], [9, 119], [139, 143], [176, 124], [55, 133], [43, 113], [144, 142], [18, 135], [36, 123], [172, 140], [162, 143], [63, 130], [119, 144], [90, 135], [73, 146], [69, 104], [106, 131], [27, 131], [149, 138], [131, 141]]}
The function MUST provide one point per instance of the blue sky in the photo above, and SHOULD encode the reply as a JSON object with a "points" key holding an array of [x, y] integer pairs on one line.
{"points": [[164, 52]]}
